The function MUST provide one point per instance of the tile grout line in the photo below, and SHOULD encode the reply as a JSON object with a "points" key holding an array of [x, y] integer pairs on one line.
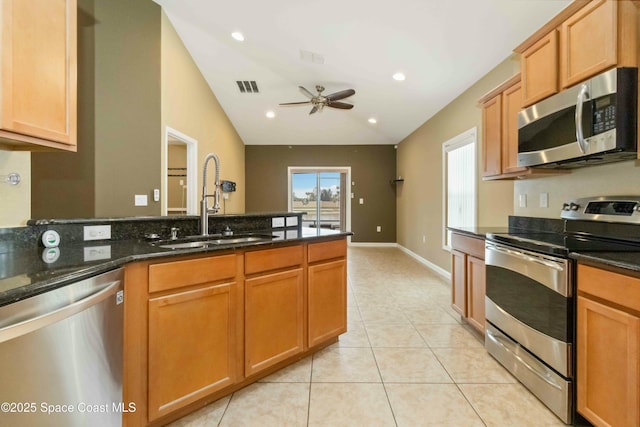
{"points": [[225, 409]]}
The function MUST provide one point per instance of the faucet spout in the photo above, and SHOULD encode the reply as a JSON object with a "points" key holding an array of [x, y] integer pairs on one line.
{"points": [[204, 209]]}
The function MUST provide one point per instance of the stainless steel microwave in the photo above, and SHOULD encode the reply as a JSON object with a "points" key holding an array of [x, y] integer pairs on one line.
{"points": [[590, 123]]}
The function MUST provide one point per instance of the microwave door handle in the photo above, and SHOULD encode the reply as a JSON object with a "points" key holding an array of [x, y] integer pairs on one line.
{"points": [[583, 95]]}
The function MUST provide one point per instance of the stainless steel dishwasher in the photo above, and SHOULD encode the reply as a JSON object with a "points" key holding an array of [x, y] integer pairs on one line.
{"points": [[61, 356]]}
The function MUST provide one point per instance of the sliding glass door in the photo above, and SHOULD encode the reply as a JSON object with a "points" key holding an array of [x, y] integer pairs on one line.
{"points": [[319, 193]]}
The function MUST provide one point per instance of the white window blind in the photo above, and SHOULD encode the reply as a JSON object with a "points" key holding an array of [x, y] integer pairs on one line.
{"points": [[459, 169]]}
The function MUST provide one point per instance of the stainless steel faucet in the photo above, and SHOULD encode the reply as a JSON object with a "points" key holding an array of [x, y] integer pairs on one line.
{"points": [[204, 209]]}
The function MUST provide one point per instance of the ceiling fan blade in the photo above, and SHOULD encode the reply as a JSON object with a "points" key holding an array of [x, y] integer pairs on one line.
{"points": [[295, 103], [340, 95], [341, 105], [306, 92], [313, 110]]}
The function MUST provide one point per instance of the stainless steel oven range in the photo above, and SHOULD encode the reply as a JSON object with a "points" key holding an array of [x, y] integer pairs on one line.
{"points": [[530, 287]]}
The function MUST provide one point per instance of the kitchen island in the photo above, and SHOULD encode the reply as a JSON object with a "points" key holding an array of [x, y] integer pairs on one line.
{"points": [[199, 323]]}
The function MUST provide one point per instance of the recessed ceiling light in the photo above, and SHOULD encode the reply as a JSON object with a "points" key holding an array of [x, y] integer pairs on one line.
{"points": [[270, 114], [399, 77], [238, 36], [372, 121]]}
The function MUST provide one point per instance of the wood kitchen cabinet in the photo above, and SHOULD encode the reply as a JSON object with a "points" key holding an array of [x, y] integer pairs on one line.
{"points": [[200, 327], [500, 108], [584, 39], [39, 77], [492, 136], [539, 68], [274, 307], [468, 279], [608, 347], [327, 291], [192, 331]]}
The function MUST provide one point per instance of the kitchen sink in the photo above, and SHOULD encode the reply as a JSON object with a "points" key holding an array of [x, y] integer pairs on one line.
{"points": [[198, 242]]}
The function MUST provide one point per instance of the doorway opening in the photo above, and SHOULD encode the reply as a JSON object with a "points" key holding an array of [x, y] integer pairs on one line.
{"points": [[179, 179], [323, 194]]}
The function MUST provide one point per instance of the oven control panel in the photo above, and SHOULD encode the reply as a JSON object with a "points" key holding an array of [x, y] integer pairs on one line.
{"points": [[606, 208]]}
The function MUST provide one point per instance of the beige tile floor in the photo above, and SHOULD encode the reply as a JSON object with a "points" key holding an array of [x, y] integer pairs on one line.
{"points": [[406, 360]]}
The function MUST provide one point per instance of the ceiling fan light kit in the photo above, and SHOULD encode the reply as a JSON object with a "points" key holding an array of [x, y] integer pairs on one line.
{"points": [[320, 101]]}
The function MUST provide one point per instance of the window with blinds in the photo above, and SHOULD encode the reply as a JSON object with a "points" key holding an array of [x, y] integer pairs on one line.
{"points": [[459, 179]]}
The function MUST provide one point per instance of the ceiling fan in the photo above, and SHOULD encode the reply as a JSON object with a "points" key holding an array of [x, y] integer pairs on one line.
{"points": [[320, 101]]}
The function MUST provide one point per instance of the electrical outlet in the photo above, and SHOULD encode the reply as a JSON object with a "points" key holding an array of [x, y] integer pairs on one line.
{"points": [[97, 232], [225, 196], [361, 201], [522, 200], [544, 200], [424, 239], [156, 195], [378, 228]]}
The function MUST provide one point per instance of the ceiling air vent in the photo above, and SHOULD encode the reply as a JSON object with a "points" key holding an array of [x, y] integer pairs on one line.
{"points": [[247, 86]]}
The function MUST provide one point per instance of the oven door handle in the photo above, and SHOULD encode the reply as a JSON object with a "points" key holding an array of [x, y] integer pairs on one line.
{"points": [[522, 255], [583, 95], [507, 346]]}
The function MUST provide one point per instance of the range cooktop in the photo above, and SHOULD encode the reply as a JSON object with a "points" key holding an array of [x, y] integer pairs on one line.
{"points": [[610, 223]]}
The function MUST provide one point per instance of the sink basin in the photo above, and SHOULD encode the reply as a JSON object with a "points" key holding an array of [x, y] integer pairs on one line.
{"points": [[190, 243]]}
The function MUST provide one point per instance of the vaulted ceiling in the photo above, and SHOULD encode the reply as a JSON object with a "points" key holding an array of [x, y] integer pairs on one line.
{"points": [[441, 46]]}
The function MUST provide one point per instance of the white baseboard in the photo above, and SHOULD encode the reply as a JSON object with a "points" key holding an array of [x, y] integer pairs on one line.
{"points": [[438, 270], [373, 244]]}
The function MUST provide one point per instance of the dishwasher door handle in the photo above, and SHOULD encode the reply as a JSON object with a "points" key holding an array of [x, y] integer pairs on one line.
{"points": [[26, 326]]}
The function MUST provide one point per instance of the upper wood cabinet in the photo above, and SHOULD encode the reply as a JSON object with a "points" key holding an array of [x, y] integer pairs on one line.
{"points": [[39, 77], [500, 109], [511, 106], [539, 67], [492, 136], [585, 39]]}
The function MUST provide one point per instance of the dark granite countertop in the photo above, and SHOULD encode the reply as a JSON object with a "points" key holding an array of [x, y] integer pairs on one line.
{"points": [[478, 231], [623, 260], [27, 271]]}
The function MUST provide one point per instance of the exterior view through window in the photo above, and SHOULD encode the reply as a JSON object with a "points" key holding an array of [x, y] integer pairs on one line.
{"points": [[320, 194], [459, 170]]}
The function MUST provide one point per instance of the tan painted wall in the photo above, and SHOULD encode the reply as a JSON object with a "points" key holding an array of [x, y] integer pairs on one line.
{"points": [[372, 167], [189, 106], [15, 200], [419, 202], [615, 179]]}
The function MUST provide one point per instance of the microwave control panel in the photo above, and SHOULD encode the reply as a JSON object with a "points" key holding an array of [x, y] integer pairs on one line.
{"points": [[604, 114]]}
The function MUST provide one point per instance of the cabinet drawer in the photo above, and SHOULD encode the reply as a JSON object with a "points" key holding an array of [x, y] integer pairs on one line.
{"points": [[327, 250], [272, 259], [176, 274], [469, 245], [614, 287]]}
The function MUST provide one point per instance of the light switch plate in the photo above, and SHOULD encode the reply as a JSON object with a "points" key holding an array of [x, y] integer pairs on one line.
{"points": [[141, 200], [522, 200], [544, 200]]}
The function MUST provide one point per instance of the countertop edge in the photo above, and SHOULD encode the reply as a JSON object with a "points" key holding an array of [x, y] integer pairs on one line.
{"points": [[607, 259], [81, 273]]}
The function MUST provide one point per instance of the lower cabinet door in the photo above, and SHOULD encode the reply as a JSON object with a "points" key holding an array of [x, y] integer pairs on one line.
{"points": [[273, 319], [192, 346], [608, 364], [327, 301], [476, 290], [458, 282]]}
